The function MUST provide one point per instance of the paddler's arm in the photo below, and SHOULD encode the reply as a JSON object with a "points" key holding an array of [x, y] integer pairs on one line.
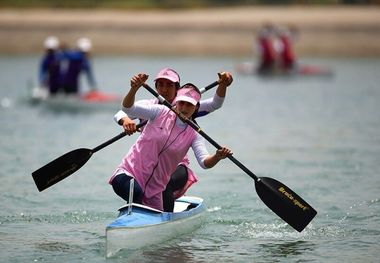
{"points": [[136, 83], [122, 119], [86, 66], [129, 100], [205, 159], [225, 80], [128, 124], [119, 117], [209, 105], [220, 154]]}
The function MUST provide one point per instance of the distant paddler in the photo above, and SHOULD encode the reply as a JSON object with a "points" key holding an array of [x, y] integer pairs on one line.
{"points": [[49, 69]]}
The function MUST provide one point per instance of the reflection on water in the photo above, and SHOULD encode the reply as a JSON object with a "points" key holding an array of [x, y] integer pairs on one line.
{"points": [[160, 253], [287, 248], [55, 246], [71, 217]]}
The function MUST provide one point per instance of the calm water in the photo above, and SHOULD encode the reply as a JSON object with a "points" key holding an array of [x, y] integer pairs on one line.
{"points": [[319, 136]]}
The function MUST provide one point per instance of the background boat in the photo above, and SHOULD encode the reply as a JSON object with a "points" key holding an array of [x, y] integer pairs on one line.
{"points": [[302, 70], [87, 101]]}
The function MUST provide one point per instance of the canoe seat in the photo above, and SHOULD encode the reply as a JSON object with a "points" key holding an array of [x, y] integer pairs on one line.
{"points": [[180, 206]]}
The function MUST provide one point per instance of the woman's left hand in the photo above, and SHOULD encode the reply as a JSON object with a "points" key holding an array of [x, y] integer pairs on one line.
{"points": [[222, 153], [225, 78]]}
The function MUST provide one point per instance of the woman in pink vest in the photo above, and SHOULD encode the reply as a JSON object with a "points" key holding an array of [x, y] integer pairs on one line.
{"points": [[167, 82], [161, 146]]}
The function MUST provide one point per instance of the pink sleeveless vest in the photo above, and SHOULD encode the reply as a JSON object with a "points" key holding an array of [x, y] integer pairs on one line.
{"points": [[154, 157], [192, 177]]}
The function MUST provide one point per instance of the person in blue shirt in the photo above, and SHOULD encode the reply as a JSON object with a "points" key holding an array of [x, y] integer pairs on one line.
{"points": [[78, 62], [49, 70]]}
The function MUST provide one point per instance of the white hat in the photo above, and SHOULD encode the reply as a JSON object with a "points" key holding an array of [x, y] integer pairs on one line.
{"points": [[51, 42], [84, 44]]}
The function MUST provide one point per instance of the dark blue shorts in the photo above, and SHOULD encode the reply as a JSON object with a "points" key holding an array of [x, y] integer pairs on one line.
{"points": [[121, 184]]}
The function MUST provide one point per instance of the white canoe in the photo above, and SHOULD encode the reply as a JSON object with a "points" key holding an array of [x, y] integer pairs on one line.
{"points": [[146, 226]]}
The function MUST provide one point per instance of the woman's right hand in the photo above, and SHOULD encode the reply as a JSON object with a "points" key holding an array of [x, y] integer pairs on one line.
{"points": [[136, 83], [138, 80], [222, 153]]}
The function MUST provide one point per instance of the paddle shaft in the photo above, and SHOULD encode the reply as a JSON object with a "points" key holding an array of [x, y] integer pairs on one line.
{"points": [[277, 196], [199, 130], [114, 139], [122, 134], [203, 90], [232, 158]]}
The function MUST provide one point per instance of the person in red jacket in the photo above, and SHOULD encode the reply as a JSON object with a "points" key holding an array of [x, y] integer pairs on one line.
{"points": [[286, 54], [266, 50]]}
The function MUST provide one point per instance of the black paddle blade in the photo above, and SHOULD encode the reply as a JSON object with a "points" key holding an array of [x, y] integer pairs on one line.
{"points": [[60, 168], [285, 203]]}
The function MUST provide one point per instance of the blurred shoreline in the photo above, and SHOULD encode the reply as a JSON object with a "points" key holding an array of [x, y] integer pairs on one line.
{"points": [[323, 31]]}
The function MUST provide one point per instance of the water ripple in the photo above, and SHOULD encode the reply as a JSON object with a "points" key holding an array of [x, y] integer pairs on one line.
{"points": [[72, 217]]}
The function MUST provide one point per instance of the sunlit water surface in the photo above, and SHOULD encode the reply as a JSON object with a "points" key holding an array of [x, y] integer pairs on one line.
{"points": [[318, 135]]}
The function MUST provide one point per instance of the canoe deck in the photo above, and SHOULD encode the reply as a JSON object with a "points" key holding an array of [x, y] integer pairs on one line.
{"points": [[146, 226]]}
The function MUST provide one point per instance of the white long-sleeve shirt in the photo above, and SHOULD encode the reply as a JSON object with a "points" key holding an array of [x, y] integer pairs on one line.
{"points": [[205, 107], [150, 111]]}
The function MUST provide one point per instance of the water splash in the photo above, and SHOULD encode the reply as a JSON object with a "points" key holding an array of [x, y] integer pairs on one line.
{"points": [[279, 231], [214, 209]]}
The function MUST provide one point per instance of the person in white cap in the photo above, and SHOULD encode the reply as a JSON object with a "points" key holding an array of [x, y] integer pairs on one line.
{"points": [[163, 144], [49, 70], [84, 44], [51, 43], [167, 82], [79, 62]]}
